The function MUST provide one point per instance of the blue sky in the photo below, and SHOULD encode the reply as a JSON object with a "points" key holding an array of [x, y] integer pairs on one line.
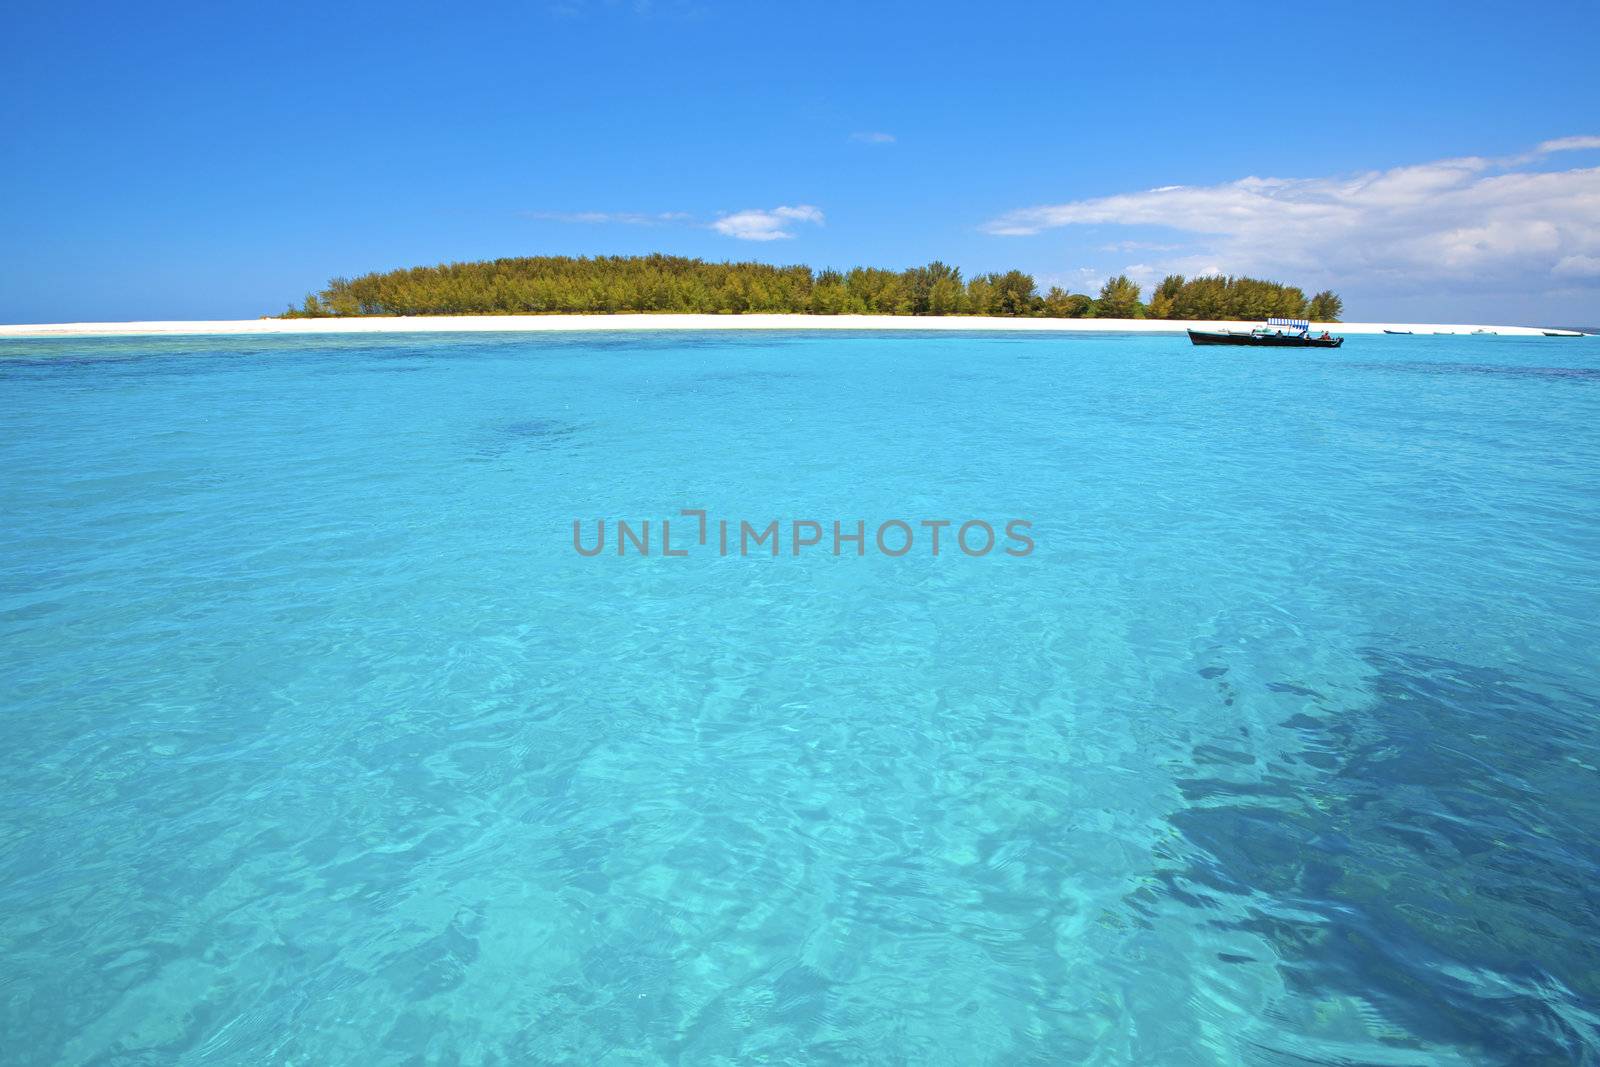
{"points": [[184, 160]]}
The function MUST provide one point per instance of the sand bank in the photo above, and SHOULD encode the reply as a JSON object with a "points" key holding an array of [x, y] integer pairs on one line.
{"points": [[545, 323]]}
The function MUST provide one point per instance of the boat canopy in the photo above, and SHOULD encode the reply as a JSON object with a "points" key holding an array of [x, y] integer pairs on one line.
{"points": [[1297, 325]]}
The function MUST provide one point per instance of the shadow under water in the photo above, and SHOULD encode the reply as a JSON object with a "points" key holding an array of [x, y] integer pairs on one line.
{"points": [[1434, 854], [527, 433], [1582, 374]]}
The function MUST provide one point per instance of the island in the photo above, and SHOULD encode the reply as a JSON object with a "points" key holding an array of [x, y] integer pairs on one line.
{"points": [[543, 294], [663, 284]]}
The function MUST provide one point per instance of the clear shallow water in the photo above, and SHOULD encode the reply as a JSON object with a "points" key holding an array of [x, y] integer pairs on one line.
{"points": [[323, 746]]}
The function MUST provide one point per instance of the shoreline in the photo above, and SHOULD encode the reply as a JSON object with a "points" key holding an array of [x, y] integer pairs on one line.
{"points": [[623, 322]]}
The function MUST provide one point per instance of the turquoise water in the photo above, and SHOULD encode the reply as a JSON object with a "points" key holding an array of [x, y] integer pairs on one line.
{"points": [[323, 745]]}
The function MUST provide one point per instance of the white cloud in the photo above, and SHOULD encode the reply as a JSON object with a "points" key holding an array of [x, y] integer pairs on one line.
{"points": [[1140, 246], [752, 225], [626, 218], [1473, 222], [1568, 144], [873, 138], [770, 225], [1578, 267]]}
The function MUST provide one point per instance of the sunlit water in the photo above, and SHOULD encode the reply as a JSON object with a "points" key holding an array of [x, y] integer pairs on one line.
{"points": [[323, 746]]}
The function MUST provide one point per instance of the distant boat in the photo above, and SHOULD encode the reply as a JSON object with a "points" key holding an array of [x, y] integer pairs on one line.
{"points": [[1277, 333], [1561, 333], [1406, 332], [1491, 333]]}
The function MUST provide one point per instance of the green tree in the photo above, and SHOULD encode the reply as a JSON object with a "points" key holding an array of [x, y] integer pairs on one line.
{"points": [[1015, 294], [947, 296], [1326, 307], [981, 298], [1119, 299], [1060, 304], [310, 308], [829, 296], [920, 283], [1217, 297], [661, 283], [1162, 300]]}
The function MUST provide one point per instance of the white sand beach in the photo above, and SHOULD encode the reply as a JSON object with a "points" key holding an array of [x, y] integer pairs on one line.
{"points": [[554, 323]]}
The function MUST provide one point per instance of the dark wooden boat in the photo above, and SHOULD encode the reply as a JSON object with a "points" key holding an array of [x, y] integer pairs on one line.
{"points": [[1227, 337], [1277, 333]]}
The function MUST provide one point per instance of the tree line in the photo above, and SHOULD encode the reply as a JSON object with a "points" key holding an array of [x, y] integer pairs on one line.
{"points": [[661, 283]]}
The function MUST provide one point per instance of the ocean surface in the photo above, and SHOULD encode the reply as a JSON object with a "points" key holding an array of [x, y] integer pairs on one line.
{"points": [[323, 745]]}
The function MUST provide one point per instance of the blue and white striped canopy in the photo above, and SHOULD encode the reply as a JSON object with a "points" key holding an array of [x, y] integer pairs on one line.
{"points": [[1294, 324]]}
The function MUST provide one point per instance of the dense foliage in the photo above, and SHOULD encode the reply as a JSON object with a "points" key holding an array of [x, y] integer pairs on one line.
{"points": [[661, 283]]}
